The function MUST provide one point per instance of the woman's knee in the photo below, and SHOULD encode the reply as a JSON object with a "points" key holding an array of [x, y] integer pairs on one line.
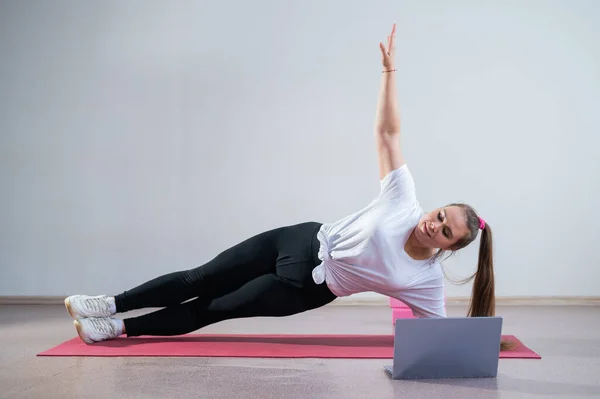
{"points": [[192, 277]]}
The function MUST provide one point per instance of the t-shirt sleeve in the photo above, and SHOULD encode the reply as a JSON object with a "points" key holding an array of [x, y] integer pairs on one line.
{"points": [[425, 302], [397, 185], [437, 312]]}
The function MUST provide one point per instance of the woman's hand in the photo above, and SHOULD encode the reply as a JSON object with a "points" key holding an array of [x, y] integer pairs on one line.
{"points": [[388, 53]]}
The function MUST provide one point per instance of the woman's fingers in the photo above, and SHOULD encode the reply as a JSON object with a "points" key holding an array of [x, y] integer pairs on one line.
{"points": [[387, 53], [384, 51], [392, 40]]}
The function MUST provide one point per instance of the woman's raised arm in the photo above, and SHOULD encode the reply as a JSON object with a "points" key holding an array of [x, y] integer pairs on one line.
{"points": [[387, 121]]}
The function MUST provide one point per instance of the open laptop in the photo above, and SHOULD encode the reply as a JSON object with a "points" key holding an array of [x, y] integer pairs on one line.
{"points": [[459, 347]]}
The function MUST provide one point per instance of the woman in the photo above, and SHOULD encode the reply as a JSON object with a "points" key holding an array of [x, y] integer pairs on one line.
{"points": [[390, 247]]}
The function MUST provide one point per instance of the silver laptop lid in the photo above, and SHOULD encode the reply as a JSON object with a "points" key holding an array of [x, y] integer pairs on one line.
{"points": [[459, 347]]}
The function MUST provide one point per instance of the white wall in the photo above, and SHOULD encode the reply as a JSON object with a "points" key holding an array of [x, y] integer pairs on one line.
{"points": [[139, 138]]}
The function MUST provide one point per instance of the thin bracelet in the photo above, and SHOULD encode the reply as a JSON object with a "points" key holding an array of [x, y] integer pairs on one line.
{"points": [[391, 70]]}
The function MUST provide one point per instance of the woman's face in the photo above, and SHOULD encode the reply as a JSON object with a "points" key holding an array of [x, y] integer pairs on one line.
{"points": [[442, 227]]}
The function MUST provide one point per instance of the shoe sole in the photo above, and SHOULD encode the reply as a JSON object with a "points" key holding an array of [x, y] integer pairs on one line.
{"points": [[69, 309], [78, 327]]}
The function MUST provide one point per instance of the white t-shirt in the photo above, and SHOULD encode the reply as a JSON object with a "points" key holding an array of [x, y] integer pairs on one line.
{"points": [[365, 251]]}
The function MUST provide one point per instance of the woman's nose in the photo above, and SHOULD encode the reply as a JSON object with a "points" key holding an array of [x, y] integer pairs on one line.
{"points": [[433, 226]]}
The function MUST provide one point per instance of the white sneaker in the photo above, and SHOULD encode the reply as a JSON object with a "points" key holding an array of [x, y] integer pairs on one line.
{"points": [[80, 306], [95, 329]]}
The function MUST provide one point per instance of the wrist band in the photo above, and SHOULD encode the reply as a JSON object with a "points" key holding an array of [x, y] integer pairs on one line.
{"points": [[391, 70]]}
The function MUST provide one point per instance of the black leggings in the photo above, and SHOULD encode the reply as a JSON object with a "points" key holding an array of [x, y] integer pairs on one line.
{"points": [[269, 274]]}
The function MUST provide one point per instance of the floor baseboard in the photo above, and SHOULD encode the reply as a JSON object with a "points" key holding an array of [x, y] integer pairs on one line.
{"points": [[32, 300], [500, 301], [367, 301]]}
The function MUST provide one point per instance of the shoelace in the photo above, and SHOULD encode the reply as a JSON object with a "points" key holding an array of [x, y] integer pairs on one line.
{"points": [[103, 326], [96, 304]]}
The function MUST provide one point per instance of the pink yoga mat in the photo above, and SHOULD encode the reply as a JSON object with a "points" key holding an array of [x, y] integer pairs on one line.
{"points": [[264, 346]]}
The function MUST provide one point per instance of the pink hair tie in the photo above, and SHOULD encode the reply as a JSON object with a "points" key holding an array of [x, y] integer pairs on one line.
{"points": [[481, 223]]}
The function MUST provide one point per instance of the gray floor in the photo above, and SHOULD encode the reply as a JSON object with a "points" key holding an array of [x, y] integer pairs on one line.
{"points": [[568, 339]]}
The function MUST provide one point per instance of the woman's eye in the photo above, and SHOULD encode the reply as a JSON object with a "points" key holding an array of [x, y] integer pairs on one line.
{"points": [[440, 216]]}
